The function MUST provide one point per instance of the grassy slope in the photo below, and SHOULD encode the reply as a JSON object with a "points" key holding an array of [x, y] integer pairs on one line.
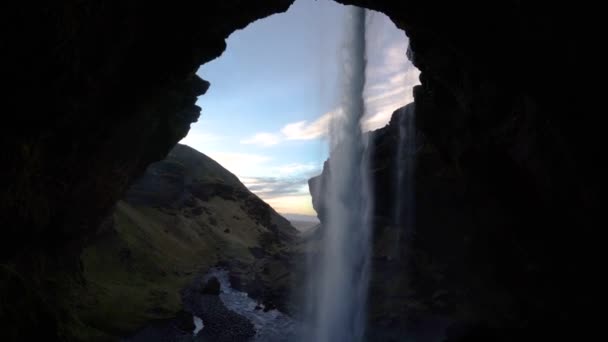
{"points": [[135, 269]]}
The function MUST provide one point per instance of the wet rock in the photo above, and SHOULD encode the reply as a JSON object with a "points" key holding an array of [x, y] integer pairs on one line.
{"points": [[184, 321], [269, 305], [222, 324], [212, 287]]}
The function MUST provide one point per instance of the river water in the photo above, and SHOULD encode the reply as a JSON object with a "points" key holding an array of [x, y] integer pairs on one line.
{"points": [[270, 326]]}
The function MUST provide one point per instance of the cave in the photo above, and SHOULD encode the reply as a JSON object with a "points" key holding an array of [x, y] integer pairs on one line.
{"points": [[504, 101]]}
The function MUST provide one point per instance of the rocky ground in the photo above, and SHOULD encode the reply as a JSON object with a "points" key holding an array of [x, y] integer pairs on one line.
{"points": [[221, 324]]}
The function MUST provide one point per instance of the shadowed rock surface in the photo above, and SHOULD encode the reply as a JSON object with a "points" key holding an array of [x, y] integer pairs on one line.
{"points": [[460, 262], [211, 287], [223, 324], [167, 330]]}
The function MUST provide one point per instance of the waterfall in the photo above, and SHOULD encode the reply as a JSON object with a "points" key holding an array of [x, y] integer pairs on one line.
{"points": [[341, 274], [405, 156]]}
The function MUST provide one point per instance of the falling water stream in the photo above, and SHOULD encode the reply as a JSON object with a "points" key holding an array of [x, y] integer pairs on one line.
{"points": [[339, 289], [403, 200]]}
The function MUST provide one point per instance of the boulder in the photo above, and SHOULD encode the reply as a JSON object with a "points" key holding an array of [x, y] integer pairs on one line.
{"points": [[211, 287]]}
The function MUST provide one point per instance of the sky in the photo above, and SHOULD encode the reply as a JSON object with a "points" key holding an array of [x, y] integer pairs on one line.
{"points": [[274, 90]]}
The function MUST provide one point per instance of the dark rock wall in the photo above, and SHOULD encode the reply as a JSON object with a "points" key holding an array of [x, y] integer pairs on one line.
{"points": [[464, 254], [93, 93], [97, 91], [507, 100]]}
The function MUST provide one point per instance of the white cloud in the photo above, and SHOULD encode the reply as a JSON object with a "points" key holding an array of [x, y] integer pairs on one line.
{"points": [[263, 139], [286, 190], [390, 86], [298, 204], [382, 115], [295, 169], [303, 130], [397, 91], [396, 54], [251, 181]]}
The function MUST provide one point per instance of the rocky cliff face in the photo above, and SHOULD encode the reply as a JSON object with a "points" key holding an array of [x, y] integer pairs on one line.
{"points": [[506, 98], [455, 257], [184, 215], [521, 134], [95, 92]]}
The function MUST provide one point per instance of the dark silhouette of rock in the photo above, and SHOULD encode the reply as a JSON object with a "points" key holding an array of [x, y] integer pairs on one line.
{"points": [[184, 321], [222, 324], [211, 287], [457, 259], [115, 89]]}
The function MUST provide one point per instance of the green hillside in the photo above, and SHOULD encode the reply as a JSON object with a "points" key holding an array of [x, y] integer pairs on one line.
{"points": [[184, 215]]}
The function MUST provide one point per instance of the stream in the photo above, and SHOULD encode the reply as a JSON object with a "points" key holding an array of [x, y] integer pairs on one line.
{"points": [[270, 326]]}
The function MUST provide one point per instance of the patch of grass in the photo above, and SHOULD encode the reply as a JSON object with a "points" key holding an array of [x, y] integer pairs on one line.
{"points": [[134, 274]]}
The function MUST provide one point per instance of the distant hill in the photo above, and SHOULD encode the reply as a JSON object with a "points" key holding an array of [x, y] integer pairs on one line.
{"points": [[302, 222], [184, 215], [304, 226]]}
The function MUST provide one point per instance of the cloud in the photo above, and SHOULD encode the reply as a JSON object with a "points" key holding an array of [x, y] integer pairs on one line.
{"points": [[297, 169], [301, 204], [287, 191], [289, 179], [284, 195], [268, 187], [303, 130], [398, 91], [263, 139], [300, 130], [390, 85]]}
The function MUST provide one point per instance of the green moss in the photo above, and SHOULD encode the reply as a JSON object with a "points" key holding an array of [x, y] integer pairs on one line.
{"points": [[134, 273]]}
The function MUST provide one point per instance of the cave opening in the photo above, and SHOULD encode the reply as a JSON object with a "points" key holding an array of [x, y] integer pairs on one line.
{"points": [[273, 91], [275, 94]]}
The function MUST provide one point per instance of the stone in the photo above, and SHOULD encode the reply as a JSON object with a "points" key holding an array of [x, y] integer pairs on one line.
{"points": [[211, 287]]}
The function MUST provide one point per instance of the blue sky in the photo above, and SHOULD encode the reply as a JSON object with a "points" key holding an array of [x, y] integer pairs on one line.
{"points": [[275, 88]]}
